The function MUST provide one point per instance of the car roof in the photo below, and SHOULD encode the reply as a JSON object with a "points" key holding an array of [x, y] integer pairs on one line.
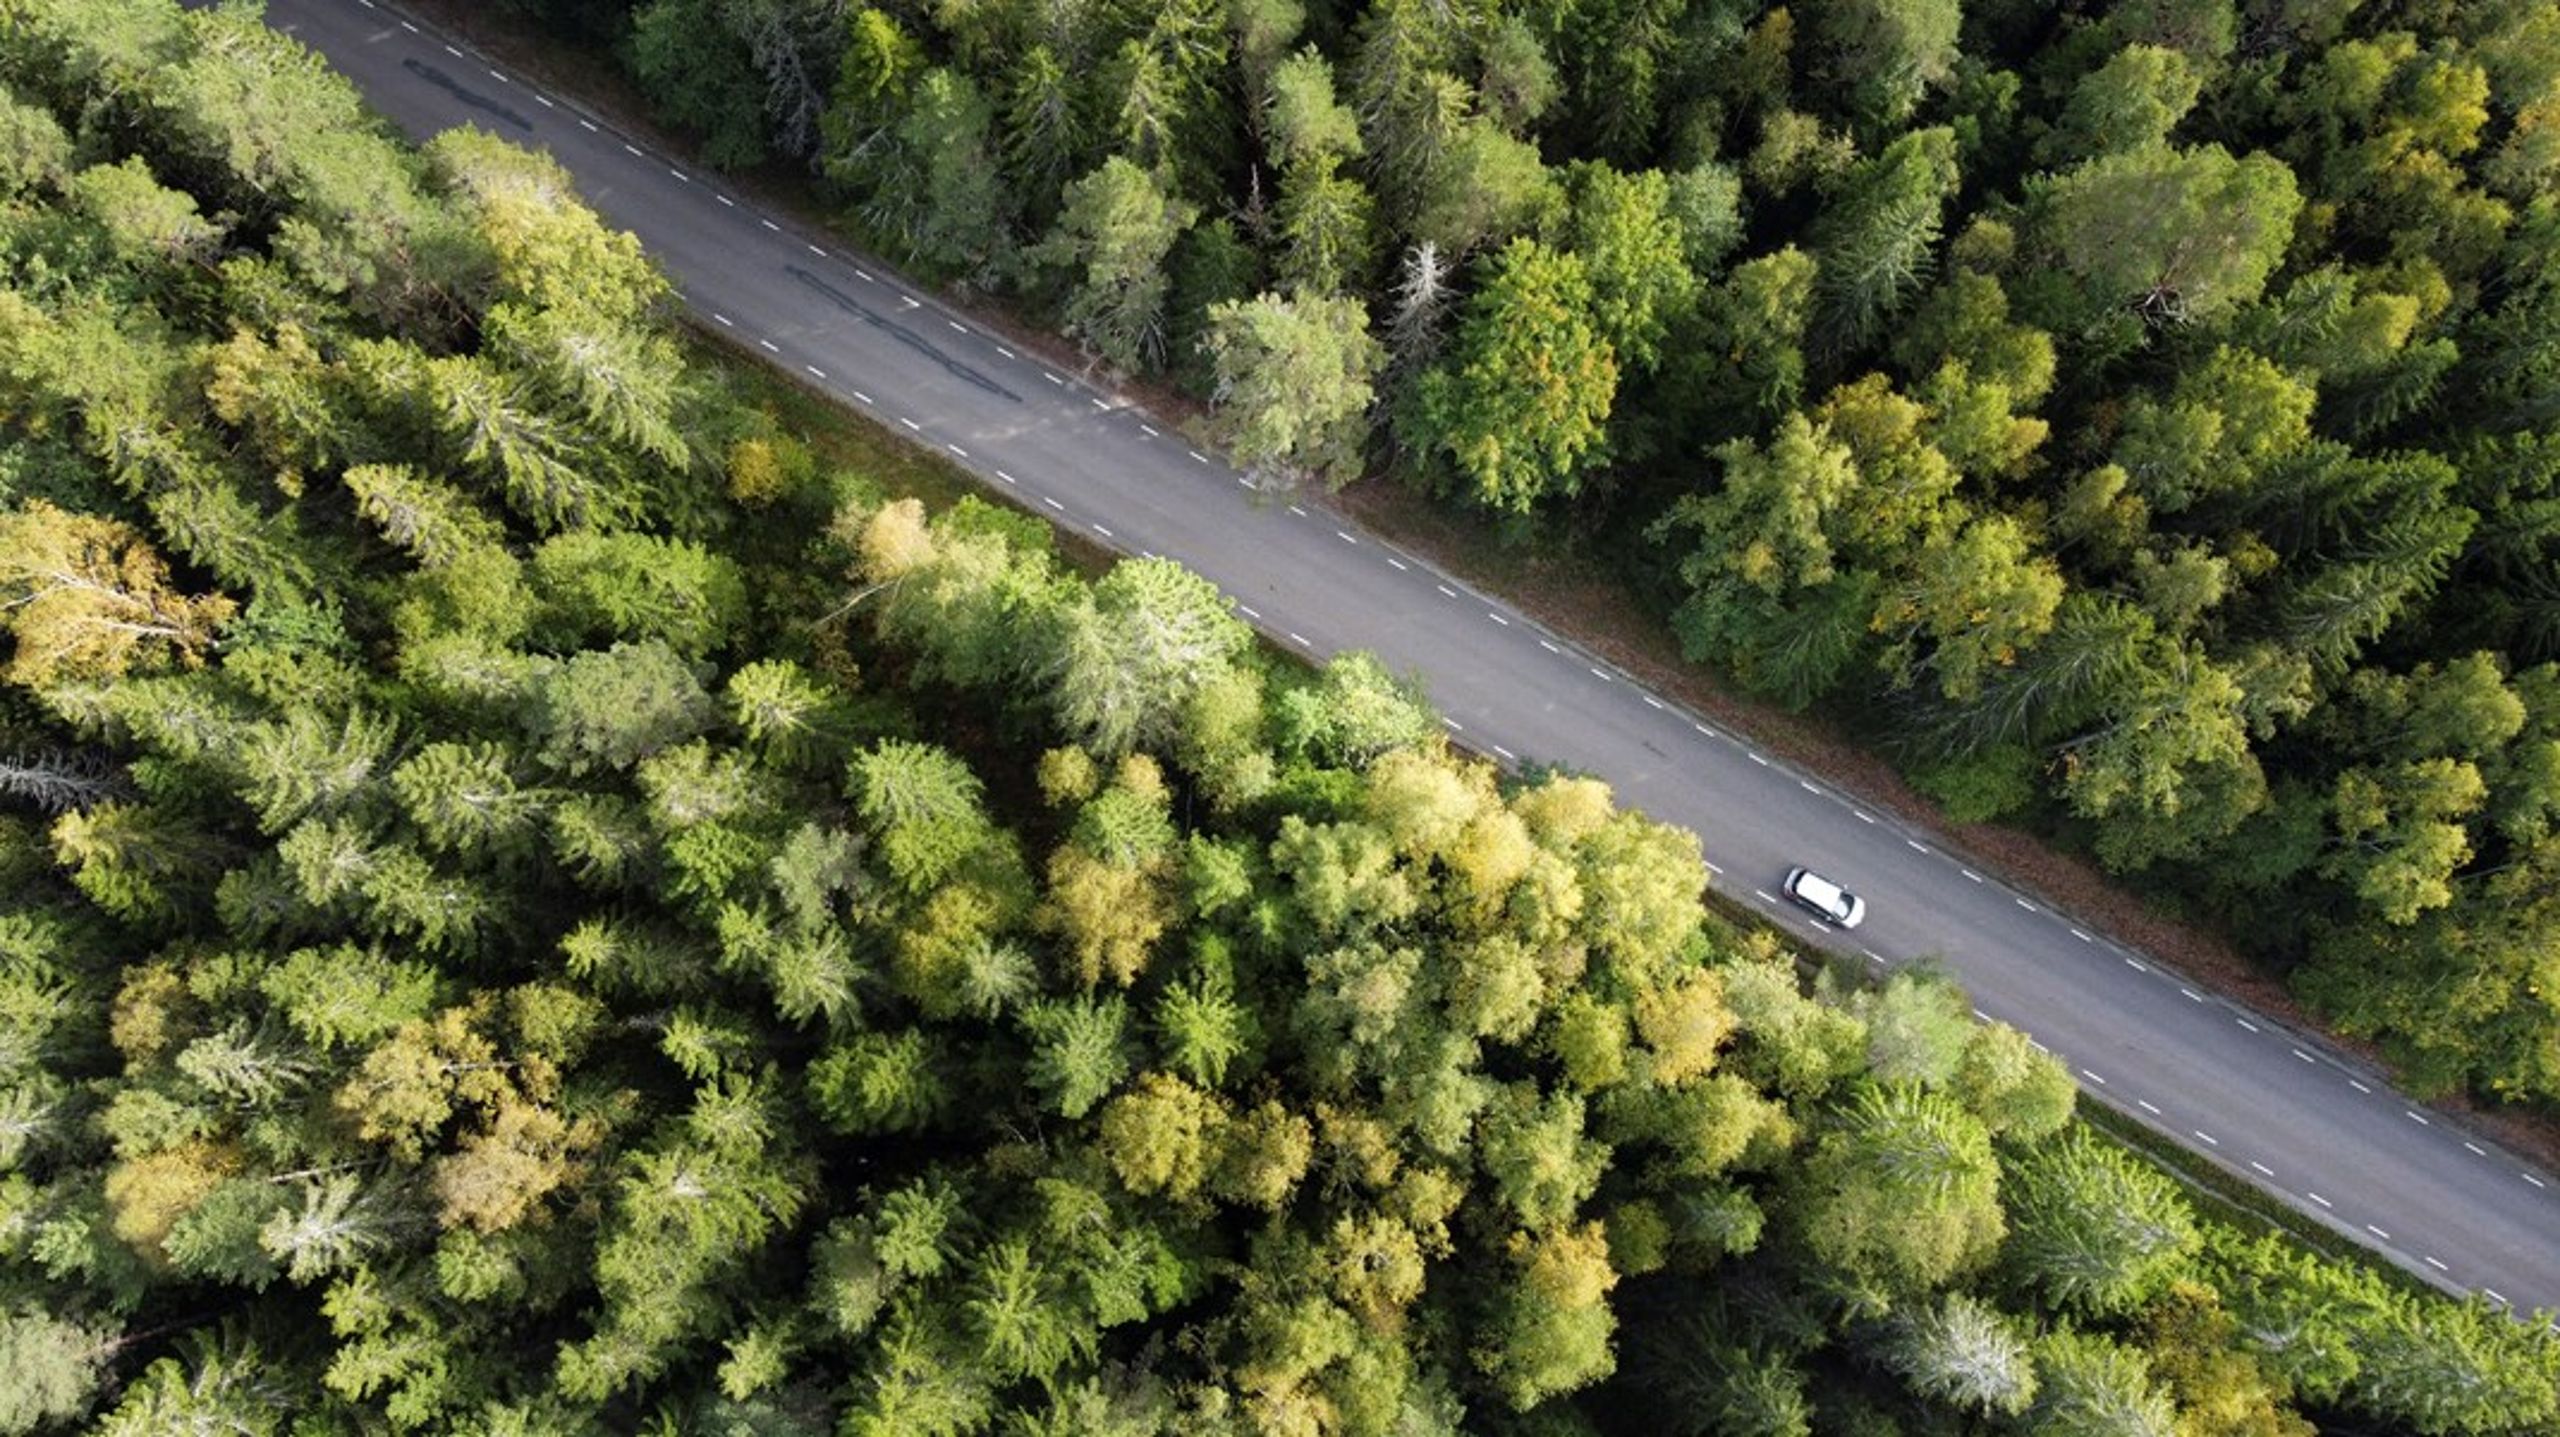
{"points": [[1820, 889]]}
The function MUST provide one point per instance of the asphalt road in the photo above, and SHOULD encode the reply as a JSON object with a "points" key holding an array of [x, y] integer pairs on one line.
{"points": [[2277, 1108]]}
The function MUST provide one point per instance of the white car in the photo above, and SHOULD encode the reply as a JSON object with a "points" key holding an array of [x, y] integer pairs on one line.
{"points": [[1825, 898]]}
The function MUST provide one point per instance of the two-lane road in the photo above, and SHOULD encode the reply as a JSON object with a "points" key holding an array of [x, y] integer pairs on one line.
{"points": [[2276, 1108]]}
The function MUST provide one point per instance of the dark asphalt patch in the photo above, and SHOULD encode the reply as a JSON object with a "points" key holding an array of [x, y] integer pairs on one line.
{"points": [[908, 337]]}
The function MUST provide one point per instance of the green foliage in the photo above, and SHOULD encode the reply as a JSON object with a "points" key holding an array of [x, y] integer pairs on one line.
{"points": [[1518, 409], [495, 947]]}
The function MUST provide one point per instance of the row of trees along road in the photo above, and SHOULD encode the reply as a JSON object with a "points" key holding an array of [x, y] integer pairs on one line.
{"points": [[539, 907], [2136, 418]]}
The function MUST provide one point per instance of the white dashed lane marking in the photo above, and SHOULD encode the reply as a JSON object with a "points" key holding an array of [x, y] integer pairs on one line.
{"points": [[2245, 1023], [769, 344], [1009, 479], [1346, 538], [1248, 611], [2377, 1232], [2083, 937], [722, 320], [2209, 1139], [2092, 1077], [2419, 1118], [589, 126], [768, 224], [2537, 1182], [1550, 648], [2192, 995], [2137, 965], [2440, 1267], [681, 177], [1148, 430], [911, 424], [863, 275], [1862, 818], [1203, 458], [815, 250], [630, 148], [2022, 903], [2145, 1105], [1102, 531], [1915, 845], [1970, 874], [1052, 503], [813, 369], [724, 199], [2262, 1169], [2306, 1057], [1446, 591], [865, 398], [2477, 1151], [956, 449], [2359, 1087], [2315, 1197]]}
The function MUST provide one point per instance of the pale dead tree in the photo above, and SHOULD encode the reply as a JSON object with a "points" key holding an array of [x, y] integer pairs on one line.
{"points": [[789, 41], [59, 780]]}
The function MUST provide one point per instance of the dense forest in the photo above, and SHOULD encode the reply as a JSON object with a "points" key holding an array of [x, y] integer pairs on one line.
{"points": [[538, 905], [2136, 418]]}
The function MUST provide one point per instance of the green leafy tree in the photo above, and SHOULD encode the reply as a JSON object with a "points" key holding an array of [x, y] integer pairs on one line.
{"points": [[1885, 54], [1873, 244], [2093, 1229], [1518, 408], [1112, 239], [1294, 385], [611, 708], [2172, 235]]}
